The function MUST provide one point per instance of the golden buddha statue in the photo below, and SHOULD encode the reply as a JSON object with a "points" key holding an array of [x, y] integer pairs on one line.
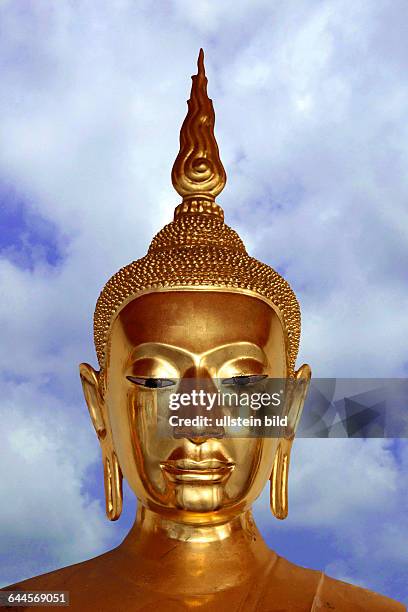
{"points": [[197, 305]]}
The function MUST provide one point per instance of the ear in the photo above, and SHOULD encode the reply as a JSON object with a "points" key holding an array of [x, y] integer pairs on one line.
{"points": [[112, 474], [93, 397], [298, 394], [280, 469]]}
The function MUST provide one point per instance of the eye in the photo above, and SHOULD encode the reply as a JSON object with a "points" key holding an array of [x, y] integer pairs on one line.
{"points": [[151, 383], [244, 380]]}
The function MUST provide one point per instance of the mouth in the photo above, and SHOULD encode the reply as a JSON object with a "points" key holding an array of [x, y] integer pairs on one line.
{"points": [[189, 471]]}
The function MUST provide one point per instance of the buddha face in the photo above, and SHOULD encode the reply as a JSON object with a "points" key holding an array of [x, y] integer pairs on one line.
{"points": [[190, 334]]}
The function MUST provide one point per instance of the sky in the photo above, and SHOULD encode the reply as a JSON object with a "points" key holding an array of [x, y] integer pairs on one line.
{"points": [[311, 104]]}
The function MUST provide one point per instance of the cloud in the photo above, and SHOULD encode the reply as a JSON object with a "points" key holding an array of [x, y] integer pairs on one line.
{"points": [[47, 517], [345, 466], [310, 101]]}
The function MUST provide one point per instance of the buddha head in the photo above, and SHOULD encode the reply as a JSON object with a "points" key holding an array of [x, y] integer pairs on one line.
{"points": [[196, 306]]}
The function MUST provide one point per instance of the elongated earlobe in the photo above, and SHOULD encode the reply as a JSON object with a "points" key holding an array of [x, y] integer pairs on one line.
{"points": [[112, 474], [279, 479]]}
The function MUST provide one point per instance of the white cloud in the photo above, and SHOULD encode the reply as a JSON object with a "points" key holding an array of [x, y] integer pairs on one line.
{"points": [[311, 102], [328, 477], [45, 455]]}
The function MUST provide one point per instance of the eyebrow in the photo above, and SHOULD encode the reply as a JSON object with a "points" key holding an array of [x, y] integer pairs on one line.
{"points": [[162, 350]]}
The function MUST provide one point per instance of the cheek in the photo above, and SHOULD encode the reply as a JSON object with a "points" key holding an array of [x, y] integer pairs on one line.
{"points": [[120, 422], [254, 459], [120, 402], [149, 448], [140, 450]]}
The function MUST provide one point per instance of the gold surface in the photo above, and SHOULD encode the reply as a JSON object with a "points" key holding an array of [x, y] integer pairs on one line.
{"points": [[199, 335], [196, 307], [198, 173]]}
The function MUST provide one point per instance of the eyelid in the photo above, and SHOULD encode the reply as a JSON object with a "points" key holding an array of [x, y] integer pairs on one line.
{"points": [[151, 382], [244, 379]]}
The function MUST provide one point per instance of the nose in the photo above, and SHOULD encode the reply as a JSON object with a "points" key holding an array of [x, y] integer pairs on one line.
{"points": [[199, 379]]}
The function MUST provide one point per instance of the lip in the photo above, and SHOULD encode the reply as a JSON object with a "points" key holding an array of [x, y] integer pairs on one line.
{"points": [[207, 471]]}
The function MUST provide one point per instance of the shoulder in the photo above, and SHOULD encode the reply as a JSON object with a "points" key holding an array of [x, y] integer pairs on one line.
{"points": [[292, 587], [59, 578], [344, 596], [90, 582]]}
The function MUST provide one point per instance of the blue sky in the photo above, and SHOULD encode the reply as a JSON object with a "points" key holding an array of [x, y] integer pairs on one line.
{"points": [[311, 104]]}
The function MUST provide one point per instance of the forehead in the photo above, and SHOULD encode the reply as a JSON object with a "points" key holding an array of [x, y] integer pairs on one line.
{"points": [[197, 321]]}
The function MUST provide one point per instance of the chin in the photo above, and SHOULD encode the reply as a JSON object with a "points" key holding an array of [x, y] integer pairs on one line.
{"points": [[204, 498]]}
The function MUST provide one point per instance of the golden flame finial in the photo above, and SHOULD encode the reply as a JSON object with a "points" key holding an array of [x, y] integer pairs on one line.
{"points": [[197, 250], [198, 174]]}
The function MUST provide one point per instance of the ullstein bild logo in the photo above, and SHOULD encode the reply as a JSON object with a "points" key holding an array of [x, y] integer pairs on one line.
{"points": [[228, 421]]}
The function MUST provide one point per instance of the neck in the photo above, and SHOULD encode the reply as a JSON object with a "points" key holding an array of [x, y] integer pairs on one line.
{"points": [[184, 558]]}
